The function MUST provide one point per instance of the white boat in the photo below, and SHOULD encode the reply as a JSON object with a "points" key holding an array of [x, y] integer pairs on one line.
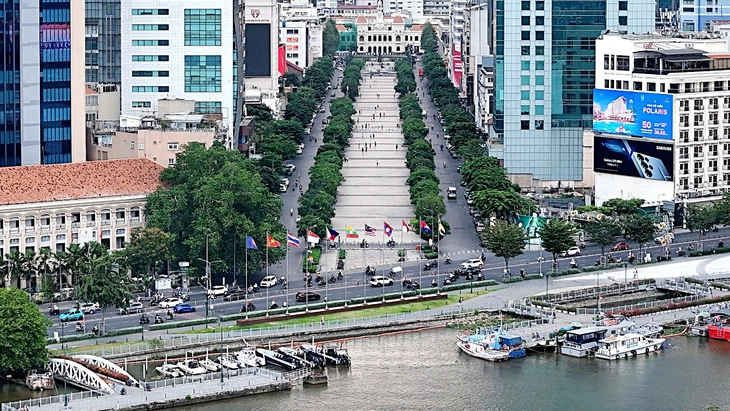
{"points": [[40, 381], [210, 365], [191, 367], [247, 357], [582, 342], [622, 346], [477, 350], [229, 362], [170, 370]]}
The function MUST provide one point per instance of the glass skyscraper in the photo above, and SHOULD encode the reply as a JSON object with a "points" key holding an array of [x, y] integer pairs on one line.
{"points": [[544, 56], [41, 114], [103, 41]]}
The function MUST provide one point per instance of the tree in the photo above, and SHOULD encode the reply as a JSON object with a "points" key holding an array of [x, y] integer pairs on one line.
{"points": [[502, 204], [639, 228], [505, 240], [148, 249], [623, 207], [603, 232], [105, 284], [700, 219], [330, 39], [23, 327], [557, 236]]}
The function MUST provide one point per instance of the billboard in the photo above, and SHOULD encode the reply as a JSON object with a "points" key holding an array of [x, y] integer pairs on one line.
{"points": [[633, 158], [632, 113], [258, 50]]}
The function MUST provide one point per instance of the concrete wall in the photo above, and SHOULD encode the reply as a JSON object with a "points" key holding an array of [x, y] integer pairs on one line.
{"points": [[154, 145]]}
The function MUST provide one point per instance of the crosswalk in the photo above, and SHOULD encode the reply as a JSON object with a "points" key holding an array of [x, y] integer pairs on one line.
{"points": [[476, 252]]}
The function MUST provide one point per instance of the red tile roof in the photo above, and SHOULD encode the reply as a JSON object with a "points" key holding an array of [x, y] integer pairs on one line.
{"points": [[90, 91], [417, 27], [398, 20], [36, 184], [361, 20], [341, 27]]}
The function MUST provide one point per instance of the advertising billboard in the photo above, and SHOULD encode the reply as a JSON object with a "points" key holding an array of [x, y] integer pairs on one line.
{"points": [[632, 113], [633, 158], [258, 50]]}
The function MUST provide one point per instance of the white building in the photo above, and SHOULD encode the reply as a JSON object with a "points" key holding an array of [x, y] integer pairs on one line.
{"points": [[177, 50], [414, 8], [379, 34], [301, 32], [262, 53], [670, 140], [436, 8]]}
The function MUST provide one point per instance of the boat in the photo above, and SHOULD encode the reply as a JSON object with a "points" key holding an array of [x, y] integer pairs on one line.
{"points": [[650, 330], [621, 346], [170, 370], [315, 356], [468, 337], [210, 365], [276, 358], [229, 362], [542, 346], [582, 342], [295, 357], [478, 350], [319, 378], [339, 354], [40, 381], [247, 357], [191, 367], [510, 343]]}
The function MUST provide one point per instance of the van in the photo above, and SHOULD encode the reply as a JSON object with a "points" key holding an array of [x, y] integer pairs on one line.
{"points": [[451, 193], [424, 114]]}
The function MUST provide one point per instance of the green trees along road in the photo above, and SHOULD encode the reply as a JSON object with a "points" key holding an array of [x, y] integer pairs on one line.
{"points": [[23, 330]]}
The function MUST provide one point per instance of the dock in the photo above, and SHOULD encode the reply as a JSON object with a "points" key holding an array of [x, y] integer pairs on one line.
{"points": [[168, 393]]}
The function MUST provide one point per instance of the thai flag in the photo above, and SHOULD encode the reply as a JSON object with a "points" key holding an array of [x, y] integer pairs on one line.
{"points": [[424, 227], [291, 240]]}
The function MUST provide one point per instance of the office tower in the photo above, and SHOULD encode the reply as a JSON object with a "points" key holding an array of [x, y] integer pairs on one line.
{"points": [[42, 105], [103, 42]]}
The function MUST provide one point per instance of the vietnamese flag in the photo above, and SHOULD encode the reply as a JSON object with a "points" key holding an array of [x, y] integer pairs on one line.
{"points": [[271, 242]]}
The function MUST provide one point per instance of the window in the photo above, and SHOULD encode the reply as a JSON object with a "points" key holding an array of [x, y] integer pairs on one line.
{"points": [[623, 20], [150, 27], [651, 86], [540, 80], [539, 95], [622, 63], [526, 35], [539, 65], [141, 104], [141, 146], [173, 146], [525, 110], [150, 89], [150, 12], [637, 85], [202, 27], [203, 74], [525, 95], [131, 145], [539, 124], [144, 57], [539, 35], [150, 43], [525, 50], [208, 107], [539, 110], [526, 5], [525, 125], [170, 161], [150, 73], [605, 61], [539, 5], [540, 20], [525, 80], [525, 20], [539, 50], [623, 5], [525, 64]]}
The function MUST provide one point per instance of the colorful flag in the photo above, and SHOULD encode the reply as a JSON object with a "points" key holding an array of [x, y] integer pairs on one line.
{"points": [[311, 237], [424, 227], [387, 229], [369, 231], [332, 234], [271, 242], [291, 240], [351, 233], [442, 230], [405, 226], [250, 243]]}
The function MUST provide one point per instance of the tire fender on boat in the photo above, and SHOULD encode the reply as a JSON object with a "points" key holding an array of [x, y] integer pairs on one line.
{"points": [[633, 352], [656, 348], [701, 333], [618, 356], [646, 351], [466, 346]]}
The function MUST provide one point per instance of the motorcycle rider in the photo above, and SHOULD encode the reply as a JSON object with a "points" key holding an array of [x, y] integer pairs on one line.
{"points": [[170, 315], [273, 305], [339, 275], [158, 319], [573, 263]]}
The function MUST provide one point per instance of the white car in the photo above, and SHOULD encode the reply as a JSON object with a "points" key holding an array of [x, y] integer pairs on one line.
{"points": [[473, 263], [380, 281], [217, 290], [89, 308], [170, 302], [299, 150], [134, 307], [268, 281], [571, 252]]}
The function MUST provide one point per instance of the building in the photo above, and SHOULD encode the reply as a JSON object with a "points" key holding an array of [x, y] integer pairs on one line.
{"points": [[544, 63], [697, 15], [348, 37], [662, 118], [53, 206], [177, 52], [300, 32], [413, 8], [103, 42], [379, 34], [436, 8], [262, 54], [158, 140], [42, 100]]}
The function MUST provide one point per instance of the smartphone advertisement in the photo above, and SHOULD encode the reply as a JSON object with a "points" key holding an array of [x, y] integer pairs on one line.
{"points": [[633, 113], [643, 159]]}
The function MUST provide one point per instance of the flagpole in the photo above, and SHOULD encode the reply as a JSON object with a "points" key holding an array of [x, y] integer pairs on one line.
{"points": [[401, 233], [438, 234], [246, 269], [420, 273], [267, 273], [235, 277], [287, 273]]}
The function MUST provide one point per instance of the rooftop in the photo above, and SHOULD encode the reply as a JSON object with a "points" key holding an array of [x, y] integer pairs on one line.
{"points": [[56, 182]]}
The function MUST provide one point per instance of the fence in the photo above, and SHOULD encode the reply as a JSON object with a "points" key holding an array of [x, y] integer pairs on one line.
{"points": [[647, 304], [685, 287], [56, 399], [591, 293]]}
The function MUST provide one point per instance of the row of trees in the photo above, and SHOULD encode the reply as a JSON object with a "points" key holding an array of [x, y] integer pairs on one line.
{"points": [[494, 195], [330, 39], [700, 219], [458, 123], [406, 79], [351, 78], [420, 160]]}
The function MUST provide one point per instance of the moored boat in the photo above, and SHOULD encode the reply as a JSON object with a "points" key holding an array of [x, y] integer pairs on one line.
{"points": [[276, 358], [40, 381], [482, 352], [229, 362], [623, 346], [191, 367], [582, 342], [170, 370], [247, 357], [502, 341], [210, 365], [295, 357]]}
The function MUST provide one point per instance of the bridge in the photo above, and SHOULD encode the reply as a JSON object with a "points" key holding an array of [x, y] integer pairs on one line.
{"points": [[106, 364], [77, 374], [684, 287]]}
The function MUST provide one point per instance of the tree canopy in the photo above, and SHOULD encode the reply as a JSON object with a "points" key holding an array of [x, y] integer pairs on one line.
{"points": [[603, 232], [23, 330], [557, 236], [505, 240], [330, 39]]}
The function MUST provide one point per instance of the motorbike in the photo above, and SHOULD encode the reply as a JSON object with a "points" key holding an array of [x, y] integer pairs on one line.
{"points": [[597, 263], [273, 305], [79, 326], [680, 252], [434, 283], [159, 320], [582, 245], [447, 260], [720, 244], [248, 307], [690, 247], [612, 260], [319, 278], [522, 273], [369, 270], [54, 310], [144, 319], [364, 244], [401, 259], [322, 283], [95, 330], [340, 276], [480, 277], [333, 279], [715, 229], [573, 263], [170, 316], [284, 285], [447, 281], [469, 276], [185, 297], [430, 264], [390, 243], [340, 264]]}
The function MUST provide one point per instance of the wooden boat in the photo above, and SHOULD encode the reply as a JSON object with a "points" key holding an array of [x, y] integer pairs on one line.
{"points": [[623, 346], [191, 367], [170, 370], [40, 381]]}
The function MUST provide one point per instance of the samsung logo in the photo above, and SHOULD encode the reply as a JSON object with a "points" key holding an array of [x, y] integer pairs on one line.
{"points": [[663, 148]]}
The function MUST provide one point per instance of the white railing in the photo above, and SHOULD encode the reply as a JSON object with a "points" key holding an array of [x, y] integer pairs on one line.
{"points": [[637, 306], [56, 399]]}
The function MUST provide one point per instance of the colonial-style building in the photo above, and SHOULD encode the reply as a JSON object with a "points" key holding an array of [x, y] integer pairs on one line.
{"points": [[379, 34]]}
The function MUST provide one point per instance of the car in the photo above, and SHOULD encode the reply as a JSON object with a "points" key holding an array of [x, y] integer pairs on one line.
{"points": [[458, 169], [307, 296], [135, 307], [170, 302], [469, 202], [289, 169], [268, 281], [447, 137], [217, 290], [298, 219], [664, 238], [299, 150], [467, 193], [325, 121], [571, 252], [479, 226], [235, 295], [463, 183], [380, 281], [89, 308], [73, 314], [621, 245], [183, 308], [321, 109], [451, 193], [474, 262]]}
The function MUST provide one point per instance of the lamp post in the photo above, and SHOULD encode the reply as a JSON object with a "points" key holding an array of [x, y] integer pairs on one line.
{"points": [[208, 296], [220, 349], [540, 259]]}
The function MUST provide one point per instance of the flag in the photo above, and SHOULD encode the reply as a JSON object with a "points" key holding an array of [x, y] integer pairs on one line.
{"points": [[271, 242], [311, 237], [332, 234], [291, 240], [351, 233], [369, 231], [250, 243], [424, 227], [387, 229], [442, 230], [405, 226]]}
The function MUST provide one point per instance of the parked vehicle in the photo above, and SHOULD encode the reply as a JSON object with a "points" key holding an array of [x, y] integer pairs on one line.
{"points": [[184, 308], [307, 296]]}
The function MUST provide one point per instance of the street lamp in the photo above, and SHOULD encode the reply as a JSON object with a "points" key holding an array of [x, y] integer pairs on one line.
{"points": [[208, 296], [540, 259]]}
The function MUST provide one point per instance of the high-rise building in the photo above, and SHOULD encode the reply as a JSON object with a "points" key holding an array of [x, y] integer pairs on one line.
{"points": [[261, 18], [103, 42], [177, 52], [544, 72], [42, 101]]}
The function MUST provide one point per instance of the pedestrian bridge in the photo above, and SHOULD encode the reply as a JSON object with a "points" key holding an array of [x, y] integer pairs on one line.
{"points": [[78, 374]]}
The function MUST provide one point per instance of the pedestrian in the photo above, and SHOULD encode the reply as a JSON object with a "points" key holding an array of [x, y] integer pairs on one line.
{"points": [[636, 274], [376, 144], [371, 145], [321, 321], [358, 145], [363, 150], [377, 163], [396, 146], [366, 149]]}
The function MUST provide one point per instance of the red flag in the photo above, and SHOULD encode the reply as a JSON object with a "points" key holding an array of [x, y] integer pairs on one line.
{"points": [[271, 241], [405, 226]]}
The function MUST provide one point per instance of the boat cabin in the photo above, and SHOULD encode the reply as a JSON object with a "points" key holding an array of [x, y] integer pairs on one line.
{"points": [[583, 341]]}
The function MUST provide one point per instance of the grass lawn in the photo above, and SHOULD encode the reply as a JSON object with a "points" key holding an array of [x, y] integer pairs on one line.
{"points": [[365, 312]]}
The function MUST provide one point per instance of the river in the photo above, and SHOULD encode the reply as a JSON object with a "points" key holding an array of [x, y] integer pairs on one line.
{"points": [[425, 370]]}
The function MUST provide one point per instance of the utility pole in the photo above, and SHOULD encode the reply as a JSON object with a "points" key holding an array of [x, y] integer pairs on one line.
{"points": [[208, 295]]}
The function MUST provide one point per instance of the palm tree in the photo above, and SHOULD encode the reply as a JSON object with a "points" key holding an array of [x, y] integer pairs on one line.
{"points": [[13, 267], [29, 267], [4, 276], [45, 263], [102, 283]]}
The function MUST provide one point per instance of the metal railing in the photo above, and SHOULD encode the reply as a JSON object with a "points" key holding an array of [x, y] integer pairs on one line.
{"points": [[590, 293], [642, 305], [686, 287], [56, 399], [214, 376]]}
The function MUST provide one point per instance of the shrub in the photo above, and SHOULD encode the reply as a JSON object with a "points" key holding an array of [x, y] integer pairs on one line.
{"points": [[693, 281], [720, 286], [124, 331], [402, 252], [430, 256], [180, 324], [72, 337], [341, 254]]}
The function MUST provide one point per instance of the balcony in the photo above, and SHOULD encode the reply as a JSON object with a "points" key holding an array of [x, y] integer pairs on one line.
{"points": [[106, 222], [14, 230], [76, 224], [60, 226], [684, 172], [46, 227], [120, 220], [91, 223], [30, 229], [698, 170]]}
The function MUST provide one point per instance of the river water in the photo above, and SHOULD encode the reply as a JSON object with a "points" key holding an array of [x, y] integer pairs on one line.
{"points": [[421, 371]]}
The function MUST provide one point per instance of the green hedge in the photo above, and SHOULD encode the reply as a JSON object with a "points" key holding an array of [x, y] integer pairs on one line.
{"points": [[123, 331], [180, 324], [672, 306], [73, 337], [694, 281], [721, 286], [518, 278], [430, 256], [342, 254], [718, 250], [402, 252]]}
